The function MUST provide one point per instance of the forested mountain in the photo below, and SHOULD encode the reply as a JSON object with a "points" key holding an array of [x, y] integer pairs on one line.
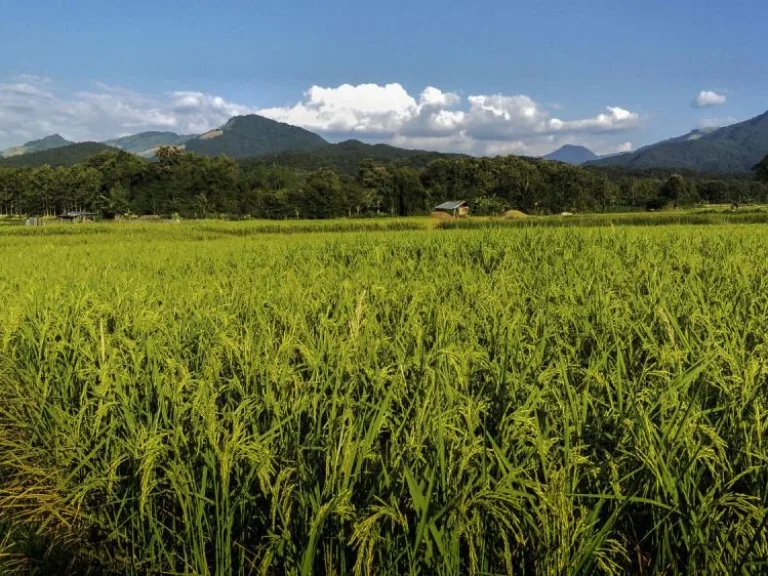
{"points": [[570, 154], [63, 156], [735, 148], [47, 143], [346, 157], [146, 143], [253, 135]]}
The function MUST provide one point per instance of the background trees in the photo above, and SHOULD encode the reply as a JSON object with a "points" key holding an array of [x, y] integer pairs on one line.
{"points": [[761, 169], [194, 186]]}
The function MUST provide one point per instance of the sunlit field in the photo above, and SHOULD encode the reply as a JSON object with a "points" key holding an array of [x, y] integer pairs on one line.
{"points": [[384, 397]]}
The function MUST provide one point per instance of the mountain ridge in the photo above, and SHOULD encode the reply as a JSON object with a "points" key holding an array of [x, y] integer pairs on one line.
{"points": [[54, 157], [730, 149], [145, 144], [46, 143]]}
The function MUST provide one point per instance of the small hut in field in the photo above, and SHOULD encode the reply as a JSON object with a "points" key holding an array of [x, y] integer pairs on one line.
{"points": [[455, 208], [78, 216]]}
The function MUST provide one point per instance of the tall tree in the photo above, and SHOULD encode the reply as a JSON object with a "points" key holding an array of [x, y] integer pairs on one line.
{"points": [[761, 169]]}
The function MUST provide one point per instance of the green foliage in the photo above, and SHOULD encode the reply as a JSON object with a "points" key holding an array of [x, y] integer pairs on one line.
{"points": [[114, 203], [676, 191], [761, 169], [673, 189], [488, 206], [346, 157], [449, 402], [198, 186]]}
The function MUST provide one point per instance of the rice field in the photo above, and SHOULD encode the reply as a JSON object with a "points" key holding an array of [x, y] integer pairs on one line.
{"points": [[214, 399], [757, 215]]}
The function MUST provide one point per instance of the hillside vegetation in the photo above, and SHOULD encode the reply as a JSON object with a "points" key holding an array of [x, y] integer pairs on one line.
{"points": [[146, 143], [47, 143], [347, 157], [254, 135], [735, 148], [68, 155]]}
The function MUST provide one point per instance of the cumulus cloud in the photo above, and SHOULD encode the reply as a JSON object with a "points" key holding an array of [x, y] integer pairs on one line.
{"points": [[364, 109], [30, 107], [709, 99], [480, 124], [503, 117]]}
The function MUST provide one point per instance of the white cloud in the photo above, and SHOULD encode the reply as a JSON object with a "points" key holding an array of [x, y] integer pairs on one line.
{"points": [[432, 96], [706, 123], [709, 99], [503, 117], [481, 124], [30, 107], [364, 109]]}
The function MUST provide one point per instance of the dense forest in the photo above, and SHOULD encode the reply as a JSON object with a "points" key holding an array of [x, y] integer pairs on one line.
{"points": [[114, 182], [346, 157]]}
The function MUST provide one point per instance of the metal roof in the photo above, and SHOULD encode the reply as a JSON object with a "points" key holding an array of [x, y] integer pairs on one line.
{"points": [[451, 205], [79, 213]]}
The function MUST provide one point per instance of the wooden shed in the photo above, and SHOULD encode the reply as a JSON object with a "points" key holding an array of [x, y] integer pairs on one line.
{"points": [[78, 216], [456, 208]]}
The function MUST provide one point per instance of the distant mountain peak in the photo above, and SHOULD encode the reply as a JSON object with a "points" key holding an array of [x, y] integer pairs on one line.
{"points": [[46, 143], [254, 135], [572, 154], [52, 138]]}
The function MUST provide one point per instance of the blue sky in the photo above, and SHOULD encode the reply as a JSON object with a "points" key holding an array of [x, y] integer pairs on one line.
{"points": [[500, 77]]}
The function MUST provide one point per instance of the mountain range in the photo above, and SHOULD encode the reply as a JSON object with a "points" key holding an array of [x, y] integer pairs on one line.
{"points": [[240, 137], [731, 149]]}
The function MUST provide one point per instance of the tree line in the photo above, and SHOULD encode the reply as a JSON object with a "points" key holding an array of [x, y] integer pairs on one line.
{"points": [[179, 182]]}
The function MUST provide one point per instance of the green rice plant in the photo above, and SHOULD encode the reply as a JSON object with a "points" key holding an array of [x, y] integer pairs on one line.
{"points": [[672, 217], [210, 398]]}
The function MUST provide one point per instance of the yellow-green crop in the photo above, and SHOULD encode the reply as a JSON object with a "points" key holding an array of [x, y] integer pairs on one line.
{"points": [[207, 399]]}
